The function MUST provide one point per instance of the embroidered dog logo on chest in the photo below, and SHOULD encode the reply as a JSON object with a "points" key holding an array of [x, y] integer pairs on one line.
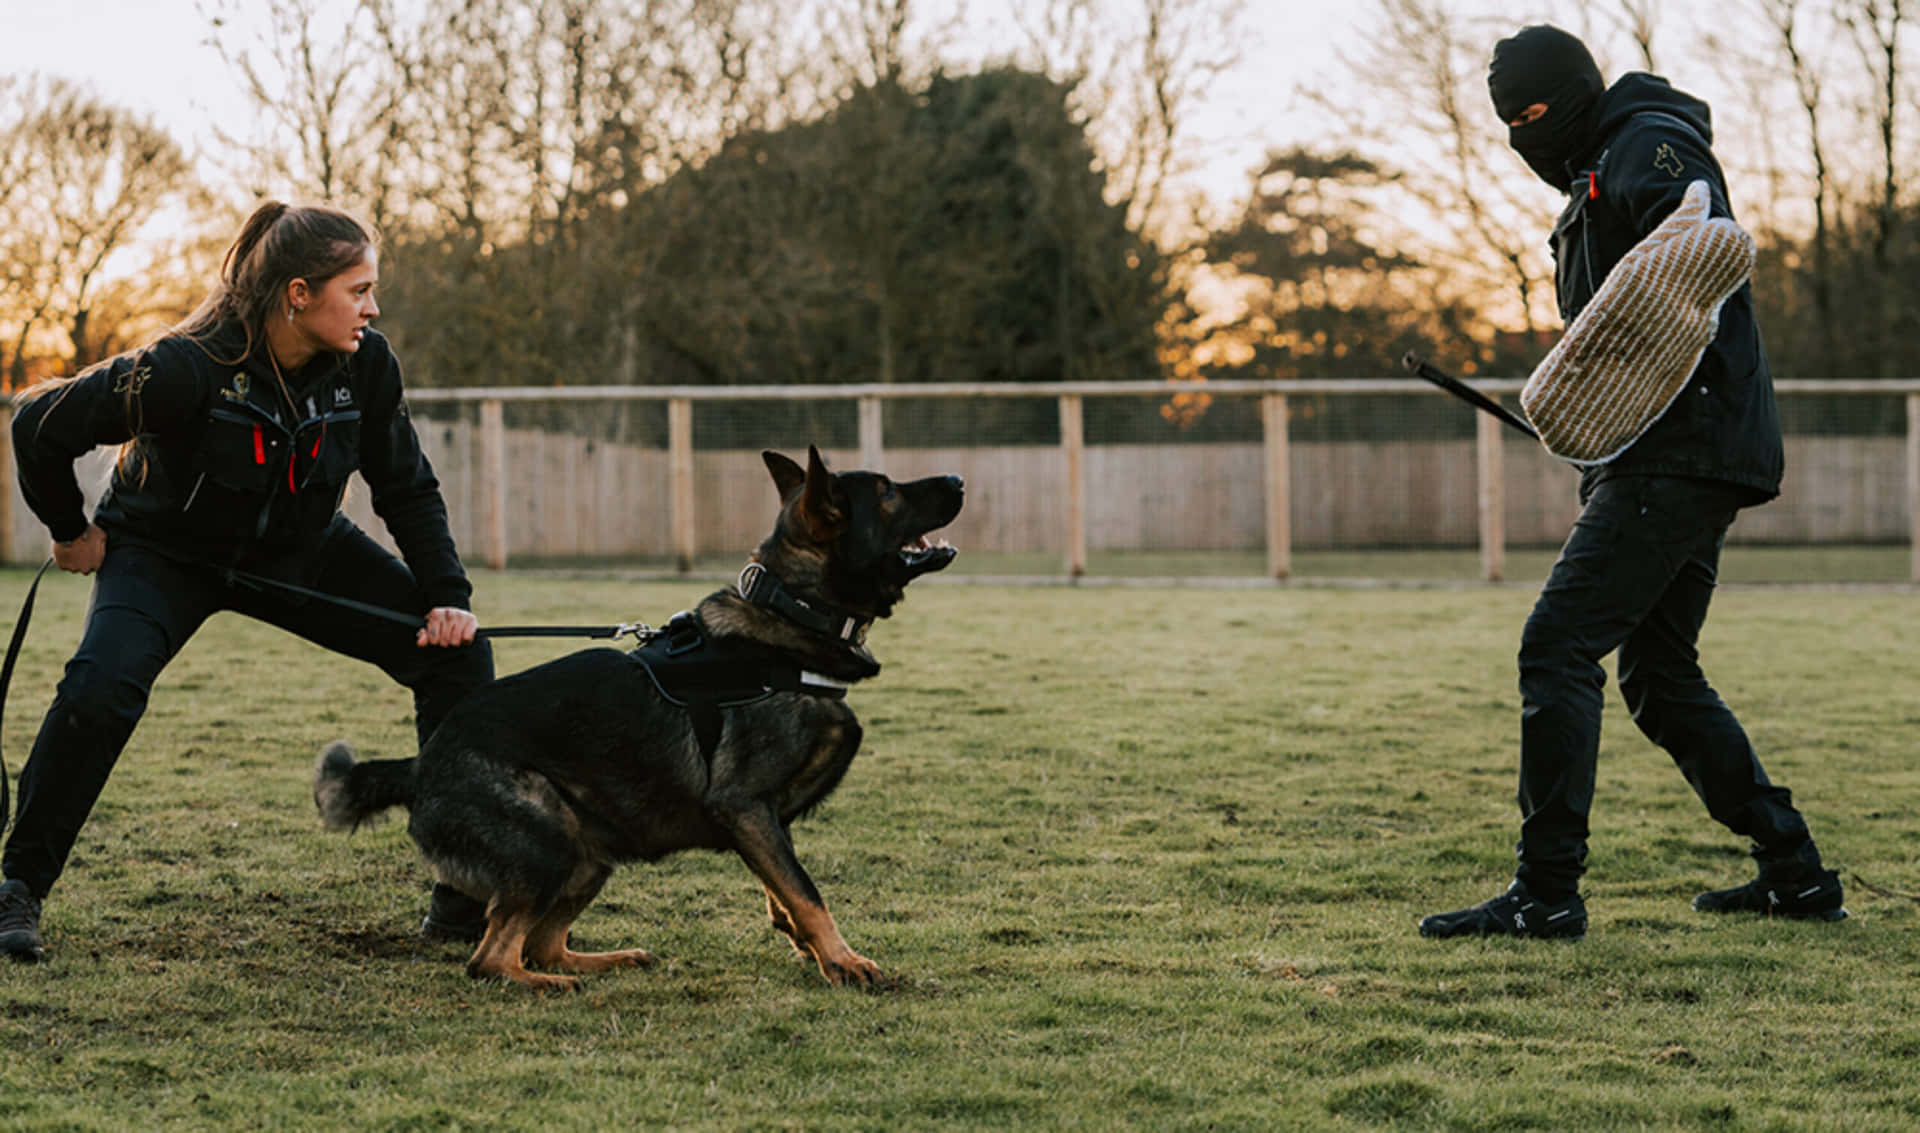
{"points": [[240, 386], [1665, 160]]}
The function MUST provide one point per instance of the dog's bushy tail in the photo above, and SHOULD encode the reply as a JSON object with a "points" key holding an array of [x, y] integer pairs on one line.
{"points": [[351, 794]]}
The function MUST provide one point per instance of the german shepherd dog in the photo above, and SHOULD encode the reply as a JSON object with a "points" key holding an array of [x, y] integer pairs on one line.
{"points": [[534, 788]]}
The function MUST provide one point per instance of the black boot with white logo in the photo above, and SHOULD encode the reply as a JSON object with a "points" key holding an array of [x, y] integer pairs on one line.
{"points": [[1513, 913], [1814, 896]]}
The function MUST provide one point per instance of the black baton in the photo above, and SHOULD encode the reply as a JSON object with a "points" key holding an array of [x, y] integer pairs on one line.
{"points": [[1420, 366]]}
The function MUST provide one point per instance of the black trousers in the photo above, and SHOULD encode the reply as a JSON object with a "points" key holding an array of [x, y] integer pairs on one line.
{"points": [[1636, 575], [144, 607]]}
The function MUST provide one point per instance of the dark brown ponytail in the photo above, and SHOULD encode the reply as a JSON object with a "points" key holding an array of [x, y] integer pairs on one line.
{"points": [[278, 244]]}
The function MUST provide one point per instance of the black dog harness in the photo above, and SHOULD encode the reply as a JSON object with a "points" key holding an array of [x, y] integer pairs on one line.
{"points": [[703, 675]]}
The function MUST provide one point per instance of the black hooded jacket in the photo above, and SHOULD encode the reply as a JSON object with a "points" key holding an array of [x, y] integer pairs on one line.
{"points": [[222, 469], [1651, 143]]}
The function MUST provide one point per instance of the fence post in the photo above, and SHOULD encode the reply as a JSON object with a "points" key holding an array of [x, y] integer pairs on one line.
{"points": [[493, 482], [1273, 426], [871, 440], [1913, 482], [1493, 497], [680, 479], [1073, 443]]}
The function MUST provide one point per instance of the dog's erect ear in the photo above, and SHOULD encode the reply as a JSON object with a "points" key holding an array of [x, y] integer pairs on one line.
{"points": [[822, 503], [787, 476]]}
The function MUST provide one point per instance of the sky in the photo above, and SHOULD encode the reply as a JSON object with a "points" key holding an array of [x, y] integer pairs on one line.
{"points": [[152, 56]]}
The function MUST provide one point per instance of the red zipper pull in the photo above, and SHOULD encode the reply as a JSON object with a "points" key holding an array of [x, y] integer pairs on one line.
{"points": [[259, 447], [1593, 186]]}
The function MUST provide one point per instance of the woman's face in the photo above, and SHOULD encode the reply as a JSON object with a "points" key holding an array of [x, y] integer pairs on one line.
{"points": [[334, 317]]}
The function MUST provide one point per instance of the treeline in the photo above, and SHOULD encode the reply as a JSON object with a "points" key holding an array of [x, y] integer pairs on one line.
{"points": [[1816, 111], [749, 192]]}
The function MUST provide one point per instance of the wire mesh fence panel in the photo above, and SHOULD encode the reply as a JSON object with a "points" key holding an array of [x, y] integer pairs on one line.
{"points": [[1846, 475], [1378, 479]]}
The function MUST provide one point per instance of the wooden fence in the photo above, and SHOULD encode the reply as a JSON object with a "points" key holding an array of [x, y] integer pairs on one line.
{"points": [[515, 493]]}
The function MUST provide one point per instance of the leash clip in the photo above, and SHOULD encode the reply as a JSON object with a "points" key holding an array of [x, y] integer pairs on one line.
{"points": [[641, 631]]}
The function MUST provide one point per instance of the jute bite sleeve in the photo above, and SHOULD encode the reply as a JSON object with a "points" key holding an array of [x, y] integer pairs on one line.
{"points": [[1632, 349]]}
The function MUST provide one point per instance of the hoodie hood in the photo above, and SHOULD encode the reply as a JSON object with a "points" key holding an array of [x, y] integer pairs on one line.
{"points": [[1637, 92]]}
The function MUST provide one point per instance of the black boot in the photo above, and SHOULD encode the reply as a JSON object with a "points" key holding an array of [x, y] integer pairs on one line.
{"points": [[452, 915], [20, 923], [1814, 896], [1513, 913]]}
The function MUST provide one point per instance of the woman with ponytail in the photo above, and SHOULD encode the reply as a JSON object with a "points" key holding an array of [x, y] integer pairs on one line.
{"points": [[239, 430]]}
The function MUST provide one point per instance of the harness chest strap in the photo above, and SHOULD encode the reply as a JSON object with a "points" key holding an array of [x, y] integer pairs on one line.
{"points": [[703, 676]]}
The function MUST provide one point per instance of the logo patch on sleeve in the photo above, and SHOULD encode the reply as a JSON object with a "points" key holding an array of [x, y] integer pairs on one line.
{"points": [[1665, 160], [133, 381]]}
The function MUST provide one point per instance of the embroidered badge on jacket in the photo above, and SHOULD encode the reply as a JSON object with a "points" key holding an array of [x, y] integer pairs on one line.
{"points": [[133, 381], [1665, 160]]}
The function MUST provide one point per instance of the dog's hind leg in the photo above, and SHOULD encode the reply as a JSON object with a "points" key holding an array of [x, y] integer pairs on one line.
{"points": [[500, 951], [761, 840], [546, 945]]}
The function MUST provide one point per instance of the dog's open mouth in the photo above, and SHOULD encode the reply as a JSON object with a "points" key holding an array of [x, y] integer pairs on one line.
{"points": [[924, 555]]}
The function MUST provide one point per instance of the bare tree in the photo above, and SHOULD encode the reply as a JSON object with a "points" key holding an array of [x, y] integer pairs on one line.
{"points": [[1637, 20], [13, 163], [93, 175], [322, 105], [1139, 70], [1786, 21], [1470, 210], [1878, 29]]}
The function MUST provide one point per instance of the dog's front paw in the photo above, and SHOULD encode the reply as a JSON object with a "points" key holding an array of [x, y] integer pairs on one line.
{"points": [[543, 983], [851, 968]]}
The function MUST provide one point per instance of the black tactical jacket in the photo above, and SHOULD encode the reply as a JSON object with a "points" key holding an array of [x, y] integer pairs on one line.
{"points": [[221, 468], [1653, 142]]}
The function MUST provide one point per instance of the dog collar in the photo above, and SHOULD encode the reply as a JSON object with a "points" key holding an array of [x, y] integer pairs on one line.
{"points": [[759, 586]]}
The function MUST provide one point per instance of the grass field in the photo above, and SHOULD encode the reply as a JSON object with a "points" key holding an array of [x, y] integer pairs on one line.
{"points": [[1133, 857], [1830, 564]]}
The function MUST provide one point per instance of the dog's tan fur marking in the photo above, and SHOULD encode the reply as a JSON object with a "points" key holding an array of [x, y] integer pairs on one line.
{"points": [[783, 923], [500, 953], [812, 927]]}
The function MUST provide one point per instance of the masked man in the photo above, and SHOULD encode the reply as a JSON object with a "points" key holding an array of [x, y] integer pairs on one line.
{"points": [[1638, 570]]}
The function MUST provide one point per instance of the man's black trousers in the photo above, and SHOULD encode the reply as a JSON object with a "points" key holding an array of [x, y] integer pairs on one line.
{"points": [[144, 607], [1636, 575]]}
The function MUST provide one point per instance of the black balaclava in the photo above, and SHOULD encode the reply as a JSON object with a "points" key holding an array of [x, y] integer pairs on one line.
{"points": [[1544, 64]]}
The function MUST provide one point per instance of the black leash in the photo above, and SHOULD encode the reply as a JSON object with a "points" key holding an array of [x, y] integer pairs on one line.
{"points": [[6, 678], [640, 630], [1425, 369]]}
